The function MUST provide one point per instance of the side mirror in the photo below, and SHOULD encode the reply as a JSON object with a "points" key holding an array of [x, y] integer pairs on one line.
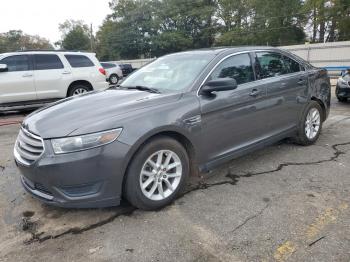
{"points": [[217, 85], [3, 68]]}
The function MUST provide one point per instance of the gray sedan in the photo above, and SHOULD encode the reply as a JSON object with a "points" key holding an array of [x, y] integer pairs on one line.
{"points": [[182, 113]]}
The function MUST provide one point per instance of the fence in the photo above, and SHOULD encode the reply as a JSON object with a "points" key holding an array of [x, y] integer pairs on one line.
{"points": [[335, 56]]}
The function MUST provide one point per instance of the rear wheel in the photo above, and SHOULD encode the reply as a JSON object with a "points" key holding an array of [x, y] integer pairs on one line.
{"points": [[157, 174], [310, 125], [113, 79], [78, 90]]}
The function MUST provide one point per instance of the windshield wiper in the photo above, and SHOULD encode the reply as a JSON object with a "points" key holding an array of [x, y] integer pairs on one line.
{"points": [[143, 88]]}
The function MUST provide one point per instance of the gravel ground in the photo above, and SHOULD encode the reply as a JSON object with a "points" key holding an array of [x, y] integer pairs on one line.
{"points": [[285, 202]]}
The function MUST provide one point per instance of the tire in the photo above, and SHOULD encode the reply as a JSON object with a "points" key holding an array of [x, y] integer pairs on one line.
{"points": [[78, 90], [141, 172], [113, 79], [308, 132], [342, 99]]}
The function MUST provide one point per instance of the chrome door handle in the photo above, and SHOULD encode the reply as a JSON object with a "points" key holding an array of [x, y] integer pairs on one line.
{"points": [[27, 75], [66, 73]]}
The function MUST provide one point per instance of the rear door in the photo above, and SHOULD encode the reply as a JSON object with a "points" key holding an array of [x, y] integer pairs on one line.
{"points": [[51, 78], [17, 84], [235, 119], [287, 86]]}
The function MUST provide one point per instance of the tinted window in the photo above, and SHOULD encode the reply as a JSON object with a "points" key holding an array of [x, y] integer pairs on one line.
{"points": [[47, 62], [79, 61], [16, 63], [271, 64], [238, 67], [108, 65], [291, 65]]}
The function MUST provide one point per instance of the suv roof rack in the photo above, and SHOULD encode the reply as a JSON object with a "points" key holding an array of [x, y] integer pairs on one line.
{"points": [[51, 50]]}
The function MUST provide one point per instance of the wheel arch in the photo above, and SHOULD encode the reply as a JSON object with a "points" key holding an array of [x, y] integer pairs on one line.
{"points": [[79, 82], [322, 105], [171, 133]]}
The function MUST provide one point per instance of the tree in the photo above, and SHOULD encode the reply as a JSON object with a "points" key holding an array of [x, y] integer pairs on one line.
{"points": [[330, 20], [75, 36], [15, 40], [148, 28]]}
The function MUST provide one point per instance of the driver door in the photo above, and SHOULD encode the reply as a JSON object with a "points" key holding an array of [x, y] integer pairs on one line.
{"points": [[234, 119]]}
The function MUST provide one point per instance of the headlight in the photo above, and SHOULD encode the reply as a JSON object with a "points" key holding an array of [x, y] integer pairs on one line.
{"points": [[78, 143], [341, 81]]}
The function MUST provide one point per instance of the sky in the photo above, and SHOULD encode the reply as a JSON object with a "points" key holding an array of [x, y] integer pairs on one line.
{"points": [[42, 17]]}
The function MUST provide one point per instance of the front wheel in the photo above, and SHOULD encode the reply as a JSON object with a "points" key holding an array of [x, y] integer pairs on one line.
{"points": [[342, 99], [157, 174], [310, 125]]}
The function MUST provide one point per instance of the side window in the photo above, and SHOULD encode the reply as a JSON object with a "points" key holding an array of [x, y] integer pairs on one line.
{"points": [[16, 63], [238, 67], [79, 61], [291, 65], [47, 62], [271, 64]]}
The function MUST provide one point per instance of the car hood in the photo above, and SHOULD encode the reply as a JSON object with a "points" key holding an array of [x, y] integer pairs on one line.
{"points": [[96, 110]]}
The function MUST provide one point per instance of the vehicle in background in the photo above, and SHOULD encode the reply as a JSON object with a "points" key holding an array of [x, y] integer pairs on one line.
{"points": [[30, 79], [142, 140], [342, 90], [113, 72], [127, 69]]}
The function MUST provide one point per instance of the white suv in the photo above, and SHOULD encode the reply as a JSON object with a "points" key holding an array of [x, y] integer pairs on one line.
{"points": [[34, 78]]}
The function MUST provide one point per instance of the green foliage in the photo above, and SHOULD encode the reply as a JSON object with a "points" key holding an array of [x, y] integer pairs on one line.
{"points": [[75, 36], [15, 40], [148, 28]]}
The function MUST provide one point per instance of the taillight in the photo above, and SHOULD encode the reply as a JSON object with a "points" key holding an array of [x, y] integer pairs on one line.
{"points": [[102, 71]]}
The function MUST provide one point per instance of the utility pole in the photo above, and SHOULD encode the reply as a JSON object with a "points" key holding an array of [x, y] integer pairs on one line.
{"points": [[91, 38]]}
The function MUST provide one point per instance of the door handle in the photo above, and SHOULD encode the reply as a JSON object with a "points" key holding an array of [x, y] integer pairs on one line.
{"points": [[301, 82], [66, 73], [27, 75], [254, 93]]}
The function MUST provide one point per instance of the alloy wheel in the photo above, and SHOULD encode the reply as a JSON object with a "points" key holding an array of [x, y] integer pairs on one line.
{"points": [[79, 91], [312, 123], [160, 175]]}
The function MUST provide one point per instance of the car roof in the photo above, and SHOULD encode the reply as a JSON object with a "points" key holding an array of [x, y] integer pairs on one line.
{"points": [[222, 49]]}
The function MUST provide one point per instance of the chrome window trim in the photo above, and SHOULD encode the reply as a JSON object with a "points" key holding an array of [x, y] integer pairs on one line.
{"points": [[246, 52]]}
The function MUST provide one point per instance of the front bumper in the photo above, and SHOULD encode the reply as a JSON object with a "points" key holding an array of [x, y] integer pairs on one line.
{"points": [[342, 91], [86, 179]]}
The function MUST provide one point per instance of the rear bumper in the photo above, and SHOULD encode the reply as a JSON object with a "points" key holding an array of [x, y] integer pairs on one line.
{"points": [[86, 179], [101, 85]]}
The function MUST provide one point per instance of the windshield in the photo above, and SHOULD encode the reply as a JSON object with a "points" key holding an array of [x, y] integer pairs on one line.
{"points": [[170, 73]]}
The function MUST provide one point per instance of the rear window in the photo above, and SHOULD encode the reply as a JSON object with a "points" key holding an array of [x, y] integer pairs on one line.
{"points": [[79, 61], [108, 65], [47, 62]]}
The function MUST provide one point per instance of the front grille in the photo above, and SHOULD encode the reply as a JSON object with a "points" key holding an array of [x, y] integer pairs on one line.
{"points": [[28, 148]]}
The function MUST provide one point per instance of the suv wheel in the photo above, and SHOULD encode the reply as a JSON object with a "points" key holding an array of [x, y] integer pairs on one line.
{"points": [[157, 174], [113, 79], [78, 90], [310, 125]]}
